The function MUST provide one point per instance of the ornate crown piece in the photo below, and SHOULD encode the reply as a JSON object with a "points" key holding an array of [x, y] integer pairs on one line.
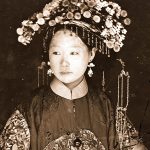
{"points": [[105, 19]]}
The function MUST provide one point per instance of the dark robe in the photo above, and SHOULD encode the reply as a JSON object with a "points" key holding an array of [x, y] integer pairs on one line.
{"points": [[51, 116]]}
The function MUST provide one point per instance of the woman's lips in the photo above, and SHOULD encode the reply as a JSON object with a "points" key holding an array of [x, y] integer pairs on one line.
{"points": [[65, 72]]}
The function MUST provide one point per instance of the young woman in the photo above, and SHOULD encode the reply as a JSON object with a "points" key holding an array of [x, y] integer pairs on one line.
{"points": [[69, 113]]}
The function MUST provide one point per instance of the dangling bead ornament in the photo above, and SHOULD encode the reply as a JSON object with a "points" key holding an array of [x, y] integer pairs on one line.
{"points": [[41, 67], [103, 82], [65, 28], [88, 38], [103, 48], [71, 29], [100, 46], [121, 109], [96, 42], [76, 31], [53, 31], [49, 71], [90, 72]]}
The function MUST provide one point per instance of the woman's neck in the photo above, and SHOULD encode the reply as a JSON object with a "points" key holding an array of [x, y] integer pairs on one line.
{"points": [[70, 91]]}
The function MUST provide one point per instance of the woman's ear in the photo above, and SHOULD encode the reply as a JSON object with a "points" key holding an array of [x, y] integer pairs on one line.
{"points": [[92, 53]]}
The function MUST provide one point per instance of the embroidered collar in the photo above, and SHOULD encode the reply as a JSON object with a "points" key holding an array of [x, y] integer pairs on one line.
{"points": [[60, 89]]}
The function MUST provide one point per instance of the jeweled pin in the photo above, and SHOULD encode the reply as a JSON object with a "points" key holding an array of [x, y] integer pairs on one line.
{"points": [[77, 142]]}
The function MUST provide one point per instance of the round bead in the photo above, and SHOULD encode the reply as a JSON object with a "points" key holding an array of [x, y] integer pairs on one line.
{"points": [[19, 31], [46, 13], [40, 15], [127, 21], [108, 24], [91, 3], [14, 147], [96, 18], [87, 14], [52, 22], [41, 21], [124, 13], [116, 48], [58, 19], [70, 15], [110, 44], [65, 3], [77, 16], [21, 39], [35, 27], [25, 23]]}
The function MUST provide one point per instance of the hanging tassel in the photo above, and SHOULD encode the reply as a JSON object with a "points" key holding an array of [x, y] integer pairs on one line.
{"points": [[71, 29], [88, 38], [76, 30], [122, 104], [92, 40], [65, 28], [41, 67], [103, 82], [100, 46], [96, 42], [108, 52]]}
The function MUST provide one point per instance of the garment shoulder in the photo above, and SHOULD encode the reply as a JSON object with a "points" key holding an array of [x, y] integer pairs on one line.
{"points": [[38, 95], [100, 96], [44, 99], [102, 102]]}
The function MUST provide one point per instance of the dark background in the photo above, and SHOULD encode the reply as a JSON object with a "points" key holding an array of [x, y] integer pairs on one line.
{"points": [[18, 64]]}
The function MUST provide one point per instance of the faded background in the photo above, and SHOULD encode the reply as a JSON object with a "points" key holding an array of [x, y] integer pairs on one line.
{"points": [[18, 64]]}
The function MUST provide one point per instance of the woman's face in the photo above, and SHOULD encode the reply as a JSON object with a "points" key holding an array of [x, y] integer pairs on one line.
{"points": [[69, 56]]}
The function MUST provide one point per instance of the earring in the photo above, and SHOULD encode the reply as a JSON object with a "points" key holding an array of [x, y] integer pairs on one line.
{"points": [[90, 72], [49, 71]]}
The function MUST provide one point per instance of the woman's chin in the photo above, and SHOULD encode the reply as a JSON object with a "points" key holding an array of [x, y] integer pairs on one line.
{"points": [[65, 77], [69, 78], [67, 81]]}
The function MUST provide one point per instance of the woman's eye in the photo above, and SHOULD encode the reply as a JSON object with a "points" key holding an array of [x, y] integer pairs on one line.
{"points": [[56, 53], [74, 53]]}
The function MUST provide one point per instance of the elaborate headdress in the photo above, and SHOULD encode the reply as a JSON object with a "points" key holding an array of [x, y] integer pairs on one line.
{"points": [[105, 20]]}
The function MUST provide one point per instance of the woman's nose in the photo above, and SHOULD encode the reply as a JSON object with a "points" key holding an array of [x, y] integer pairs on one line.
{"points": [[65, 61]]}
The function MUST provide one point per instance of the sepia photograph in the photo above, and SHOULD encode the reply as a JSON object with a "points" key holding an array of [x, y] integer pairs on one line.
{"points": [[74, 75]]}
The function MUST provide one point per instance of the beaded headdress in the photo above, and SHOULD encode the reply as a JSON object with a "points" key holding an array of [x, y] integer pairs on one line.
{"points": [[104, 19]]}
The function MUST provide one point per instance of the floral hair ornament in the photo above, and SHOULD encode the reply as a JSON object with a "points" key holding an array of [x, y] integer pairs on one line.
{"points": [[104, 19]]}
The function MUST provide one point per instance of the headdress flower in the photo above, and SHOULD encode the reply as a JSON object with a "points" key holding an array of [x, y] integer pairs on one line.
{"points": [[105, 19]]}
